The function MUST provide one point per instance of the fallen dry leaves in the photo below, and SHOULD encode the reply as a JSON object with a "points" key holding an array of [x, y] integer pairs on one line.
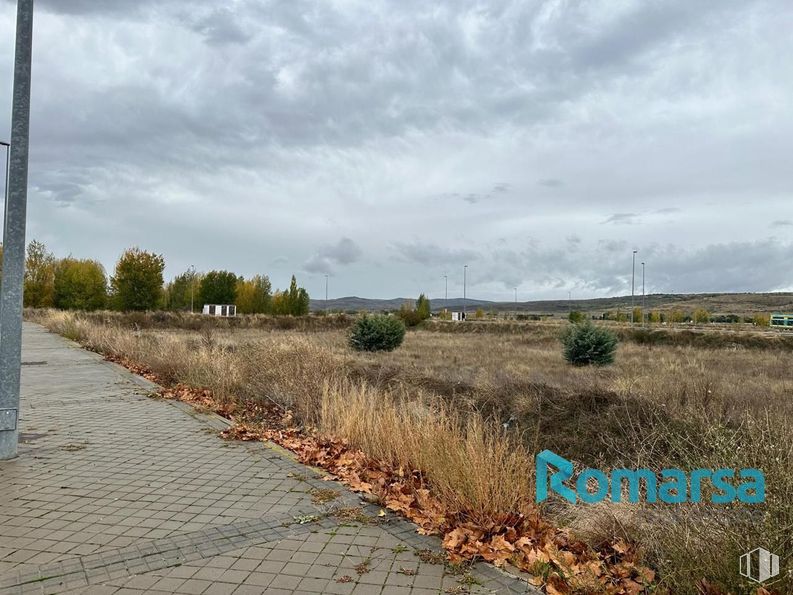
{"points": [[557, 562]]}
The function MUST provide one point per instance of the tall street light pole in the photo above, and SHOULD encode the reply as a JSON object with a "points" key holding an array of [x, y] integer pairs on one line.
{"points": [[14, 236], [633, 277], [465, 280], [8, 165], [192, 286], [644, 314]]}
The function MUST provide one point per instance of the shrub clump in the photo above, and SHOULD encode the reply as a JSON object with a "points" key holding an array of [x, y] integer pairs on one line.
{"points": [[377, 333], [586, 344]]}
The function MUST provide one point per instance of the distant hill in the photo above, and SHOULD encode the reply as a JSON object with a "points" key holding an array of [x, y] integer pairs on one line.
{"points": [[716, 303]]}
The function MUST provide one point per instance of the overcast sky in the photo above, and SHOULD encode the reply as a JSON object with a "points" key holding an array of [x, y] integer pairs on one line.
{"points": [[389, 142]]}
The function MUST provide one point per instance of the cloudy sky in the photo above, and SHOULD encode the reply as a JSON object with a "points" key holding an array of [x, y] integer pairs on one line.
{"points": [[389, 142]]}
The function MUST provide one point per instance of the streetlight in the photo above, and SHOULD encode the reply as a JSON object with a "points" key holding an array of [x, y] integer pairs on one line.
{"points": [[191, 269], [465, 280], [8, 166], [14, 235], [644, 314], [633, 277]]}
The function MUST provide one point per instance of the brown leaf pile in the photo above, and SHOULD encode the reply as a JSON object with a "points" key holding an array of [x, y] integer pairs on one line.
{"points": [[558, 563]]}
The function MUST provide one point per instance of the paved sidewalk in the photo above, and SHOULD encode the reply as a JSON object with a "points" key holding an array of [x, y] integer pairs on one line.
{"points": [[116, 492]]}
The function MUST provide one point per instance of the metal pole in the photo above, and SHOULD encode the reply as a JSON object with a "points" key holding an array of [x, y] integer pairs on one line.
{"points": [[644, 314], [516, 299], [5, 188], [326, 292], [192, 286], [14, 236], [633, 276], [446, 294], [465, 276]]}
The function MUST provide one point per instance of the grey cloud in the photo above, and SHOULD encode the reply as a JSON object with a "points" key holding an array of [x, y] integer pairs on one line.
{"points": [[221, 26], [612, 245], [732, 266], [328, 258], [551, 183], [257, 127], [622, 218], [426, 253]]}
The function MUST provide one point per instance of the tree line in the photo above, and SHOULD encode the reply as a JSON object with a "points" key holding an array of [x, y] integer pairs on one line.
{"points": [[137, 284]]}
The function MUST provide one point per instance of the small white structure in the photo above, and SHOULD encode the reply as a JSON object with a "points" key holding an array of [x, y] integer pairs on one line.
{"points": [[458, 316], [220, 310]]}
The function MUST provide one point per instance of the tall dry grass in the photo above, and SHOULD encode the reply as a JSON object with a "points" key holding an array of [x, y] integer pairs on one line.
{"points": [[439, 402], [472, 465]]}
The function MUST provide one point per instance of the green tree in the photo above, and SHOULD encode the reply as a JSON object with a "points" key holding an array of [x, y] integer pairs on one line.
{"points": [[181, 291], [423, 308], [254, 296], [576, 316], [761, 320], [701, 316], [677, 316], [218, 287], [39, 288], [637, 315], [377, 333], [79, 285], [586, 344], [137, 281]]}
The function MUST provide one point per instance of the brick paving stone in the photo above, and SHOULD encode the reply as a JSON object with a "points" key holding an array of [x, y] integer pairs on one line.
{"points": [[118, 493]]}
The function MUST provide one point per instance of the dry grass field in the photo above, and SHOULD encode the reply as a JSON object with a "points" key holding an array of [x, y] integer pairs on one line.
{"points": [[471, 409]]}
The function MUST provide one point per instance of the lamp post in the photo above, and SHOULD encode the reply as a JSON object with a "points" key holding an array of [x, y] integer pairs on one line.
{"points": [[192, 286], [644, 314], [465, 280], [8, 166], [14, 236], [633, 277]]}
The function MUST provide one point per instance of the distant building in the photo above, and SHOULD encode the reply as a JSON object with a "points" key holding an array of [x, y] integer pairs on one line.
{"points": [[220, 310], [779, 319], [458, 316]]}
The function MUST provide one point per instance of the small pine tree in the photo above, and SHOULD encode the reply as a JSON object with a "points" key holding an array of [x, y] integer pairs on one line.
{"points": [[575, 316], [587, 344], [377, 333]]}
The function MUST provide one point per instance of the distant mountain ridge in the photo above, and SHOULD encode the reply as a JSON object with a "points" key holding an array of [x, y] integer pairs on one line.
{"points": [[737, 303]]}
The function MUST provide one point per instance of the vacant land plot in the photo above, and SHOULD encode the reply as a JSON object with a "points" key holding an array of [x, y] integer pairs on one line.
{"points": [[470, 410]]}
